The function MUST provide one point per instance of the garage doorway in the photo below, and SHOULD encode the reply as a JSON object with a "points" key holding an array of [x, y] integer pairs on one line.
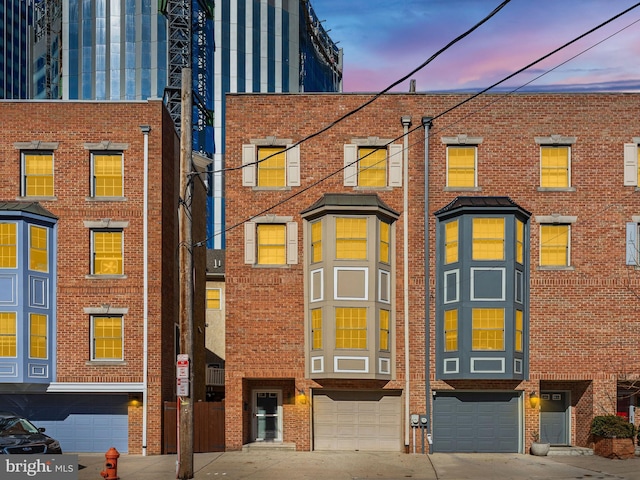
{"points": [[267, 415], [357, 420], [477, 422]]}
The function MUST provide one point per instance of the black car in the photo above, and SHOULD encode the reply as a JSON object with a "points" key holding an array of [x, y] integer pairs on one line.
{"points": [[18, 435]]}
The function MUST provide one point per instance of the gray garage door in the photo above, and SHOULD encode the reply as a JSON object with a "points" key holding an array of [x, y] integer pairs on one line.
{"points": [[81, 423], [357, 421], [476, 422]]}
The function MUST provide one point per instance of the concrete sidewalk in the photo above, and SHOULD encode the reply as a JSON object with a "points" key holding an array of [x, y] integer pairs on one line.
{"points": [[282, 465]]}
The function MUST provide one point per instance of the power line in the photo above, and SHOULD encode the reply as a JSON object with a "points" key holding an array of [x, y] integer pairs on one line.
{"points": [[459, 104], [379, 94]]}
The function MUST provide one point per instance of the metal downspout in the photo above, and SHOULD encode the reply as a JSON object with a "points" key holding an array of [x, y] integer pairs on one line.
{"points": [[406, 122], [426, 123], [145, 288]]}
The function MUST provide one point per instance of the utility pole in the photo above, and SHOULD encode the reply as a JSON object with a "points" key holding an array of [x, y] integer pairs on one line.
{"points": [[185, 402]]}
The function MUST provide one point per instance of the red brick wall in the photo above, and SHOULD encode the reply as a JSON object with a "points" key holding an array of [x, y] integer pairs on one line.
{"points": [[584, 323], [72, 124]]}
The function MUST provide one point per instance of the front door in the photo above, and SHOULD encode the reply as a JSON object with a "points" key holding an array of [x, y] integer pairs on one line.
{"points": [[554, 418], [267, 416]]}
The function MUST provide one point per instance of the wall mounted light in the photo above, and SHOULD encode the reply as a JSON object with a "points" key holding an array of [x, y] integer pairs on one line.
{"points": [[534, 400], [301, 397], [135, 401]]}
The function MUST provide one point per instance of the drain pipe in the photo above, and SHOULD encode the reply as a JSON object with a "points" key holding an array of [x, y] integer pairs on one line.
{"points": [[145, 288], [426, 123], [406, 123]]}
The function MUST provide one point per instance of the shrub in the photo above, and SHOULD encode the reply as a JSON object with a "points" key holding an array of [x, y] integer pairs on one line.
{"points": [[612, 426]]}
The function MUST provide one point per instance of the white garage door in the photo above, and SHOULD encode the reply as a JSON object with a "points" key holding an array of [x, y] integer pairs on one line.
{"points": [[357, 420], [81, 423]]}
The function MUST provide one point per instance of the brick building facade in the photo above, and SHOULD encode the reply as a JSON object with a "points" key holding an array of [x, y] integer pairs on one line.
{"points": [[90, 332], [529, 290]]}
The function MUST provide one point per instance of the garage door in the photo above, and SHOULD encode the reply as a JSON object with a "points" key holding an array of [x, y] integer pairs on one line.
{"points": [[81, 423], [476, 422], [357, 421]]}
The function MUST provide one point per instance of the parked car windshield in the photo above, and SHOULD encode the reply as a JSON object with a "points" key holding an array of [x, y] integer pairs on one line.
{"points": [[16, 426]]}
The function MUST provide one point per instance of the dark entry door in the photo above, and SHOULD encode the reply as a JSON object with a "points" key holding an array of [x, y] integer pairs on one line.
{"points": [[267, 418], [554, 418]]}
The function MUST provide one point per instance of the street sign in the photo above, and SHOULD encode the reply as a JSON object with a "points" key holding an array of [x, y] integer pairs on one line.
{"points": [[182, 387], [182, 366]]}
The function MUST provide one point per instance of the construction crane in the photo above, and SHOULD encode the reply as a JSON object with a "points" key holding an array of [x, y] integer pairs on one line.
{"points": [[189, 32]]}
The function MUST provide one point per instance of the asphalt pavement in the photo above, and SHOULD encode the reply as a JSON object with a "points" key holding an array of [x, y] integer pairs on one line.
{"points": [[288, 465]]}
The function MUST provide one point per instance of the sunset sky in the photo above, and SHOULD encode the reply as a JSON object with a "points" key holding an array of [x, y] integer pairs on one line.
{"points": [[384, 40]]}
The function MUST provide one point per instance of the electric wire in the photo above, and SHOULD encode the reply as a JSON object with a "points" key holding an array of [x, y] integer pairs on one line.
{"points": [[459, 104]]}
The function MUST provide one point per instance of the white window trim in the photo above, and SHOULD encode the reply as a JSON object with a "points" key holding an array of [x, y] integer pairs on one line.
{"points": [[15, 319], [556, 219], [475, 171], [48, 332], [445, 289], [93, 337], [92, 253], [384, 277], [365, 274], [504, 276], [47, 231], [92, 182], [394, 161], [312, 276], [23, 176], [18, 244], [465, 141], [556, 141], [291, 239], [220, 298], [250, 162]]}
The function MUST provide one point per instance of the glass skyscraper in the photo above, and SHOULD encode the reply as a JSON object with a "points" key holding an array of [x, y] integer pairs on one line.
{"points": [[121, 50], [15, 21]]}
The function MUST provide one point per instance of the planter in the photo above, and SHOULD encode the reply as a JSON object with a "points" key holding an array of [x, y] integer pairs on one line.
{"points": [[614, 447], [540, 449]]}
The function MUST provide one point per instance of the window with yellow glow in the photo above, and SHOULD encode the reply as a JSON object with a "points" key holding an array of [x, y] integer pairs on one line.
{"points": [[554, 245], [107, 338], [272, 162], [316, 328], [38, 253], [451, 242], [519, 340], [372, 167], [213, 298], [519, 241], [451, 330], [487, 326], [8, 334], [385, 242], [461, 166], [271, 244], [488, 239], [351, 328], [37, 336], [316, 241], [107, 175], [351, 238], [107, 253], [8, 249], [554, 167], [384, 330], [38, 174]]}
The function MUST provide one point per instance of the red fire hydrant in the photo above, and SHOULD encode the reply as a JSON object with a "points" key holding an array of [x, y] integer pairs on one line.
{"points": [[110, 471]]}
